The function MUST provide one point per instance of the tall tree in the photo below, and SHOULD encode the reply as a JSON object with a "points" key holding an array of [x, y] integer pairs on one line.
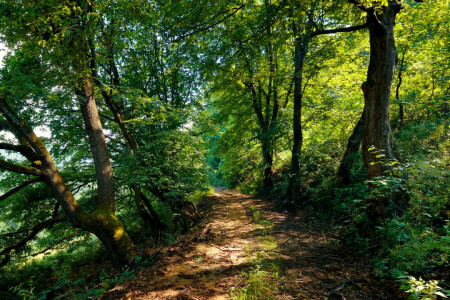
{"points": [[378, 146], [76, 23], [303, 31]]}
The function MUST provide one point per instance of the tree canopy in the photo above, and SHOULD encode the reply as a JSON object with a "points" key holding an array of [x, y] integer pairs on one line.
{"points": [[117, 116]]}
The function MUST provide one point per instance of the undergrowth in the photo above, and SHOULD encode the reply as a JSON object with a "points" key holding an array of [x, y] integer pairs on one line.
{"points": [[264, 280]]}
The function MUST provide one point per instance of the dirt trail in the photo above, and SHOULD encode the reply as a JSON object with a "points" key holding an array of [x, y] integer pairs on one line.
{"points": [[211, 260]]}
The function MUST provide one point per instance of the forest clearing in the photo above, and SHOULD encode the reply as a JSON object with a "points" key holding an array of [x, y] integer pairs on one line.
{"points": [[224, 149]]}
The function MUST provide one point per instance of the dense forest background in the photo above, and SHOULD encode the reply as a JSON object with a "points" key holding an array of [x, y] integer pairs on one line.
{"points": [[117, 117]]}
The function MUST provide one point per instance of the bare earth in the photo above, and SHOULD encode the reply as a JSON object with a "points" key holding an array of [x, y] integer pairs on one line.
{"points": [[211, 260]]}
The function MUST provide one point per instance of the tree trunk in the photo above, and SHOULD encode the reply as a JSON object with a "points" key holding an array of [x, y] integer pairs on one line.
{"points": [[377, 141], [268, 162], [301, 48], [397, 93], [103, 223], [151, 219], [354, 142], [102, 164]]}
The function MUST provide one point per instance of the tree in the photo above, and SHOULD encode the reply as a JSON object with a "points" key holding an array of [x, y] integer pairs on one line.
{"points": [[102, 222], [302, 39], [378, 146]]}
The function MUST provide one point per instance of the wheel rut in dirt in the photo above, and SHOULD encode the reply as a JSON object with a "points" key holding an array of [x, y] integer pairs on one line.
{"points": [[216, 257]]}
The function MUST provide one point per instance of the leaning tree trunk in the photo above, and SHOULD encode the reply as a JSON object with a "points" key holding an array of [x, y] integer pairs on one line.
{"points": [[377, 142], [354, 142], [103, 223]]}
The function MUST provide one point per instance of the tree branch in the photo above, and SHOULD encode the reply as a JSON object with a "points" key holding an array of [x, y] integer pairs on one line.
{"points": [[55, 244], [26, 151], [336, 30], [211, 25], [19, 169], [288, 94], [25, 131], [34, 232], [19, 188]]}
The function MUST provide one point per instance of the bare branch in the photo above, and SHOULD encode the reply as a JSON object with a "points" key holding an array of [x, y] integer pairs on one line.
{"points": [[19, 188]]}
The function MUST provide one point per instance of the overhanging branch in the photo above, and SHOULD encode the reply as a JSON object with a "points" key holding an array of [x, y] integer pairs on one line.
{"points": [[54, 245], [26, 151], [19, 188], [19, 169], [336, 30], [21, 127], [235, 10], [34, 232]]}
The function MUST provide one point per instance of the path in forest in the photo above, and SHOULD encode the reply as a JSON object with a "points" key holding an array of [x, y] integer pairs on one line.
{"points": [[209, 261]]}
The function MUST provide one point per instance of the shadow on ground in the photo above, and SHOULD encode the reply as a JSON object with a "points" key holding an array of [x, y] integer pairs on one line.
{"points": [[209, 261]]}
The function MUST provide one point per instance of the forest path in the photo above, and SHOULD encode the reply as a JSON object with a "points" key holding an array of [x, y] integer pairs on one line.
{"points": [[297, 260]]}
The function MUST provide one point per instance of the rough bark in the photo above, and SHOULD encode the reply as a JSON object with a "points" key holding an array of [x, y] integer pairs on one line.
{"points": [[377, 90], [94, 130], [353, 145]]}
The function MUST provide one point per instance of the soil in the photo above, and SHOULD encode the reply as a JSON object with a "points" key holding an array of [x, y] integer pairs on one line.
{"points": [[214, 258]]}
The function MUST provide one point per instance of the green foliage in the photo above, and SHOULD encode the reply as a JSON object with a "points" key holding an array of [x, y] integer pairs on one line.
{"points": [[183, 90], [263, 281], [421, 289], [255, 214]]}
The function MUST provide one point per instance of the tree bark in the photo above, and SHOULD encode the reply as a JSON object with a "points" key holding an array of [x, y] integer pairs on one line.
{"points": [[300, 51], [377, 133], [103, 223], [94, 130], [353, 145], [401, 117], [151, 219]]}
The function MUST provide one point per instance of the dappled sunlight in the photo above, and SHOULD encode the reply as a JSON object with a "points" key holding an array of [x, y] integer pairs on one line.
{"points": [[209, 262]]}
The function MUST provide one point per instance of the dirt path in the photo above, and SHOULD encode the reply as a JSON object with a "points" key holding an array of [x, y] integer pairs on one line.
{"points": [[238, 234]]}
